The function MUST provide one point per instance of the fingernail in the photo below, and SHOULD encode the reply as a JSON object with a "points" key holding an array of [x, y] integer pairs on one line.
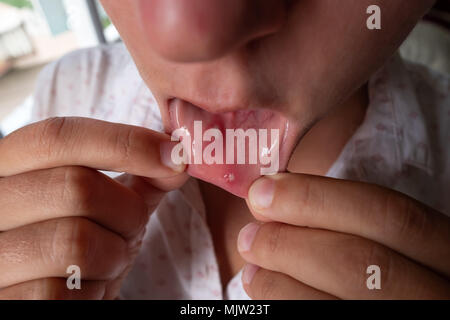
{"points": [[246, 236], [261, 193], [249, 272], [166, 148]]}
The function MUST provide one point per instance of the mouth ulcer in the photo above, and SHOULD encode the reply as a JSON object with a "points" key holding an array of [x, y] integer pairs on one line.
{"points": [[242, 136]]}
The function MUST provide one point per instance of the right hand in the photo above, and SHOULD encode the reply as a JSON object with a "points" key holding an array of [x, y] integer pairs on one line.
{"points": [[57, 210]]}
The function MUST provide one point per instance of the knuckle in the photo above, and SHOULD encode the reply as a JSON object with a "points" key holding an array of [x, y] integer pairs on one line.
{"points": [[382, 257], [78, 186], [353, 260], [73, 242], [405, 218], [356, 255], [81, 242], [369, 253], [124, 145], [50, 133]]}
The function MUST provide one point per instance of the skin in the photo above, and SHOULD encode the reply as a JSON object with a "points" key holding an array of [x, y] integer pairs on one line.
{"points": [[313, 155], [229, 58], [303, 61], [318, 241], [57, 210], [294, 57]]}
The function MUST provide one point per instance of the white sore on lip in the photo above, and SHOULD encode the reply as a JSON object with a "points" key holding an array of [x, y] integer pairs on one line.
{"points": [[229, 177]]}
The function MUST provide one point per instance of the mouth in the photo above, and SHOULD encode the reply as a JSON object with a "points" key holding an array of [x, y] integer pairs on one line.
{"points": [[232, 149]]}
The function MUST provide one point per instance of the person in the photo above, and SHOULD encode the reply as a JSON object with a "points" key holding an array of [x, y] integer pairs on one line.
{"points": [[359, 210]]}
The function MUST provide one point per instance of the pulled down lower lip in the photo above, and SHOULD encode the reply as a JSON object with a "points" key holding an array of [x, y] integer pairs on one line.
{"points": [[238, 147], [231, 149]]}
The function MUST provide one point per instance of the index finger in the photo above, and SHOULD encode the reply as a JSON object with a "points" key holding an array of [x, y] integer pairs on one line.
{"points": [[372, 212], [102, 145]]}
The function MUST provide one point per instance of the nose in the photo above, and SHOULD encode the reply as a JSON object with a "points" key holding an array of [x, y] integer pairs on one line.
{"points": [[201, 30]]}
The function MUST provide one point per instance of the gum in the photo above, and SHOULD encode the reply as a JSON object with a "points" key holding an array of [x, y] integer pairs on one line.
{"points": [[235, 178]]}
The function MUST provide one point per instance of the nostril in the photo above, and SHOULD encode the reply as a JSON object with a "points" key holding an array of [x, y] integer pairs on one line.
{"points": [[199, 30]]}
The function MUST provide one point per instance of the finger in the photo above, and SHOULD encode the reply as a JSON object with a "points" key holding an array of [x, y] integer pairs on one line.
{"points": [[146, 186], [47, 249], [53, 289], [337, 263], [369, 211], [262, 284], [72, 192], [58, 142]]}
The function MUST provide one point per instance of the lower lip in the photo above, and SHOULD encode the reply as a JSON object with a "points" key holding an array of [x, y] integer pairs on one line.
{"points": [[234, 178]]}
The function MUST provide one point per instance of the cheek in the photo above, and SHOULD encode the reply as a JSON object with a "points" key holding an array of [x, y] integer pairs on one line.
{"points": [[126, 18], [119, 9], [124, 15]]}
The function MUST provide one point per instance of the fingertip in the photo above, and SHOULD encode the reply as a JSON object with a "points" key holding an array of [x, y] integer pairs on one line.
{"points": [[261, 194], [170, 156], [248, 273], [255, 214]]}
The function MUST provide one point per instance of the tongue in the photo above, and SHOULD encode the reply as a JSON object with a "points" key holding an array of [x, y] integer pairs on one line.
{"points": [[257, 152]]}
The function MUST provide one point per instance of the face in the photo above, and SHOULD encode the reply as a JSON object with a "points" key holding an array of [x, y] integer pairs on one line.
{"points": [[256, 63]]}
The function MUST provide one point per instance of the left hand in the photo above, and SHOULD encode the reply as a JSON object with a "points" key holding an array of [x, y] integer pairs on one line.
{"points": [[319, 235]]}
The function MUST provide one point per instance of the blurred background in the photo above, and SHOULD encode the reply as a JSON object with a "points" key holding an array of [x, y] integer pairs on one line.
{"points": [[36, 32]]}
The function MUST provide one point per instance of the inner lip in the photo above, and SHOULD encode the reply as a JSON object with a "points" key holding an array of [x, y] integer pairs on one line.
{"points": [[234, 177]]}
